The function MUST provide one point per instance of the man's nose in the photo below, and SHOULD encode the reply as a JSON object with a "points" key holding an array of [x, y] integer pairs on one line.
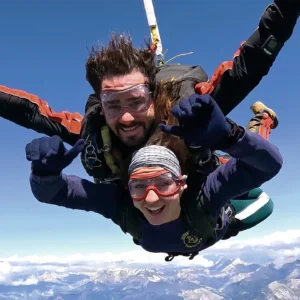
{"points": [[126, 118]]}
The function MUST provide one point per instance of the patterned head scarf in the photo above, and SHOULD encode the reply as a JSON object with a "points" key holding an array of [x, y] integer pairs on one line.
{"points": [[155, 156]]}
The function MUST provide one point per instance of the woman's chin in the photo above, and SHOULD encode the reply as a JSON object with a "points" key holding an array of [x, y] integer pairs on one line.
{"points": [[156, 217]]}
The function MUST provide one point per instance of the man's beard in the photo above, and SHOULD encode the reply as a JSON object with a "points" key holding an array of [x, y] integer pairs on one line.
{"points": [[131, 143], [123, 152]]}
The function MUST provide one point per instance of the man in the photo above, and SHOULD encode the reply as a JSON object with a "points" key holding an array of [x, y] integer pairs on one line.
{"points": [[230, 84]]}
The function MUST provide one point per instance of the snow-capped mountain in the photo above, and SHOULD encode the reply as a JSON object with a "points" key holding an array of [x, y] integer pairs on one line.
{"points": [[265, 269], [225, 279]]}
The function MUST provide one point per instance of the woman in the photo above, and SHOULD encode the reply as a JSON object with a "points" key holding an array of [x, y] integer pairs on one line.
{"points": [[162, 212]]}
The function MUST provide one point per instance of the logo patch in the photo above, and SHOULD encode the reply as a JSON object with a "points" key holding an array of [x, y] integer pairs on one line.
{"points": [[190, 240]]}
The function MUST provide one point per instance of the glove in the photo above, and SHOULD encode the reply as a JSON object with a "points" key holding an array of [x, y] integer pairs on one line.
{"points": [[201, 121], [49, 155]]}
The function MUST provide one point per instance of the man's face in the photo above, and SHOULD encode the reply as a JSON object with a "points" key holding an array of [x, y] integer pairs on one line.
{"points": [[130, 125]]}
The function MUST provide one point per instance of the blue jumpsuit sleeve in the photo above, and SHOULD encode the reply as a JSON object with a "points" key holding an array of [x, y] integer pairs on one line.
{"points": [[76, 193], [254, 162]]}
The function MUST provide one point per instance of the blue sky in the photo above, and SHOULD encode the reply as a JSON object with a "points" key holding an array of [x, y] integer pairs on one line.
{"points": [[43, 51]]}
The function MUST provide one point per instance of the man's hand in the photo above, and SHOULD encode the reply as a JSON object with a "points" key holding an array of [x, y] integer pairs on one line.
{"points": [[49, 155]]}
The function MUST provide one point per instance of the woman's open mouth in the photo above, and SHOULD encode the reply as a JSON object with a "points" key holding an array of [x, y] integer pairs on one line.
{"points": [[155, 209]]}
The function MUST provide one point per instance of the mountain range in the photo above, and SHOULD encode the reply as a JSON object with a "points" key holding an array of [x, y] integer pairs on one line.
{"points": [[224, 279]]}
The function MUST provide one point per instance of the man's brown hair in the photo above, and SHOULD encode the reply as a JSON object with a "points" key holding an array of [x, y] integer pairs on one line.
{"points": [[119, 58]]}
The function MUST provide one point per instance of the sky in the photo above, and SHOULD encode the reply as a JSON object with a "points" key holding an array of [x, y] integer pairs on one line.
{"points": [[43, 49]]}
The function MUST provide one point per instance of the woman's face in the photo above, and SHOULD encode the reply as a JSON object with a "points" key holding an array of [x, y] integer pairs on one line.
{"points": [[158, 198]]}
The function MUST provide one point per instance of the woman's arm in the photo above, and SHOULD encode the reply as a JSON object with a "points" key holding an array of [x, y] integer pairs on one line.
{"points": [[76, 193], [254, 162]]}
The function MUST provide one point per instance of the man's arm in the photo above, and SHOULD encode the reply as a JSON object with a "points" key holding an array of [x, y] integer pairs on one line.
{"points": [[254, 162], [76, 193], [234, 80], [31, 112]]}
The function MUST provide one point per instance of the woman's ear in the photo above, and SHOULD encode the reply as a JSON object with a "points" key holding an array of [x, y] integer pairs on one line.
{"points": [[182, 188], [184, 185]]}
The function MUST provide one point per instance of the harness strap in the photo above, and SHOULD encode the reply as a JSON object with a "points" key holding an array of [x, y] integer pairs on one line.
{"points": [[129, 221], [107, 154]]}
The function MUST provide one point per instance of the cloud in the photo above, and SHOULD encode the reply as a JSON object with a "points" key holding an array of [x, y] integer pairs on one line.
{"points": [[100, 259], [276, 246], [281, 237], [28, 281], [5, 272]]}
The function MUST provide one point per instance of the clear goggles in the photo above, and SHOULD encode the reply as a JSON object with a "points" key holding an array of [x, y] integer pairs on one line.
{"points": [[136, 99], [164, 185]]}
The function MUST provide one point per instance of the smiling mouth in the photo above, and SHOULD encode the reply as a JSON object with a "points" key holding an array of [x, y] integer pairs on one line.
{"points": [[155, 210], [129, 128]]}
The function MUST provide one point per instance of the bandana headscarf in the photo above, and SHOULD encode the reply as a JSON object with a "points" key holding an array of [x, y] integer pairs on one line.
{"points": [[155, 156]]}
